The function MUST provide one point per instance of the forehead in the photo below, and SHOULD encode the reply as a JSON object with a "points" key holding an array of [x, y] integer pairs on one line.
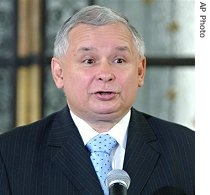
{"points": [[115, 34]]}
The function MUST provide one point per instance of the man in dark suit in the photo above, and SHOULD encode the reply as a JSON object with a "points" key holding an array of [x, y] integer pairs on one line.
{"points": [[99, 63]]}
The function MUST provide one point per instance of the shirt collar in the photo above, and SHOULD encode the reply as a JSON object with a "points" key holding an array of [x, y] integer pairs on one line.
{"points": [[87, 132]]}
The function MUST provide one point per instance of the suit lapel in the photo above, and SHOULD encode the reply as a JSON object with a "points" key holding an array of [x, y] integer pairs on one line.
{"points": [[141, 154], [72, 158]]}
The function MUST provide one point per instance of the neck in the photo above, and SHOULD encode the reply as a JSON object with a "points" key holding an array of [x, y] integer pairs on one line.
{"points": [[103, 126], [100, 123]]}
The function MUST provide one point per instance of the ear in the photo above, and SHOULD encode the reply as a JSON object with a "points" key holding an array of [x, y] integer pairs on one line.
{"points": [[141, 71], [57, 72]]}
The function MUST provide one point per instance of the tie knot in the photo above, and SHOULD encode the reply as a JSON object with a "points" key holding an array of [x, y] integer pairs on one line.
{"points": [[102, 143]]}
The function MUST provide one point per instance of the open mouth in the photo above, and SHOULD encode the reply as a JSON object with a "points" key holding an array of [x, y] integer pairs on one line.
{"points": [[105, 92], [105, 95]]}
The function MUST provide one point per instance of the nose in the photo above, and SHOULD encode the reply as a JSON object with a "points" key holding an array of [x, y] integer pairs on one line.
{"points": [[105, 77], [105, 73]]}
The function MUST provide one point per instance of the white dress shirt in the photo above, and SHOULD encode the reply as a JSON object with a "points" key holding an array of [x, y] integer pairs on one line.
{"points": [[119, 132]]}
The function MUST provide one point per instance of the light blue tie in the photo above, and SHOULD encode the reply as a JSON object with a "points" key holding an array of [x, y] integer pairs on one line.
{"points": [[101, 147]]}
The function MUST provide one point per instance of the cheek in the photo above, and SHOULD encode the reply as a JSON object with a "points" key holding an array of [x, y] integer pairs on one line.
{"points": [[130, 79], [129, 85], [75, 83]]}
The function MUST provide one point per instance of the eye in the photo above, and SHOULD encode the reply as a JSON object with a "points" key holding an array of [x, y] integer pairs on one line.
{"points": [[119, 60], [88, 61]]}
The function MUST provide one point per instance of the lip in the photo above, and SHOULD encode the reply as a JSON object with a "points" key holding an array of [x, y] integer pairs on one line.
{"points": [[105, 95]]}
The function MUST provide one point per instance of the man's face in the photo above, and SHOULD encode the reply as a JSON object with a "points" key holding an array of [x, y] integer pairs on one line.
{"points": [[101, 71]]}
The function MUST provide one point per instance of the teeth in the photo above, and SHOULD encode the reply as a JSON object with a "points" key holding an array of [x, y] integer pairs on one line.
{"points": [[104, 93]]}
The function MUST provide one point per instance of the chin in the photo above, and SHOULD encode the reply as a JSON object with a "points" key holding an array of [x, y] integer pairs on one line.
{"points": [[110, 113]]}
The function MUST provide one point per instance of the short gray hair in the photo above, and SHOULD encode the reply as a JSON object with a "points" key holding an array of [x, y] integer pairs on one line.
{"points": [[98, 16]]}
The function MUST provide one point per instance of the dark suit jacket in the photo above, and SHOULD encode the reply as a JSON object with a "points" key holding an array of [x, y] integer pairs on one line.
{"points": [[48, 157]]}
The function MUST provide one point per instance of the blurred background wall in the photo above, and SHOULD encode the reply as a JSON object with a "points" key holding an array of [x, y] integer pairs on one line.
{"points": [[27, 32]]}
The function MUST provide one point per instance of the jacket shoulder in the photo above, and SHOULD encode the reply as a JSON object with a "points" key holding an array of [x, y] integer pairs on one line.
{"points": [[30, 131], [161, 125]]}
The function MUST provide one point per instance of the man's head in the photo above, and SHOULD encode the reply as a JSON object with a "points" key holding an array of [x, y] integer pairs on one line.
{"points": [[98, 16], [99, 63]]}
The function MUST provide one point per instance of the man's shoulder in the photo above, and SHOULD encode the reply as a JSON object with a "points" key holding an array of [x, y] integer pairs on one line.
{"points": [[31, 139], [172, 139], [163, 127], [30, 131]]}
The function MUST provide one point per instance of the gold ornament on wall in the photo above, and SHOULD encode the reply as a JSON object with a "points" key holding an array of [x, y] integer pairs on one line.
{"points": [[148, 1], [171, 94], [173, 26]]}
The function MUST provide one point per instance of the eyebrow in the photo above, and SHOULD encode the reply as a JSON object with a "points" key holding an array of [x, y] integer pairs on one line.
{"points": [[118, 48], [123, 48], [82, 49]]}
